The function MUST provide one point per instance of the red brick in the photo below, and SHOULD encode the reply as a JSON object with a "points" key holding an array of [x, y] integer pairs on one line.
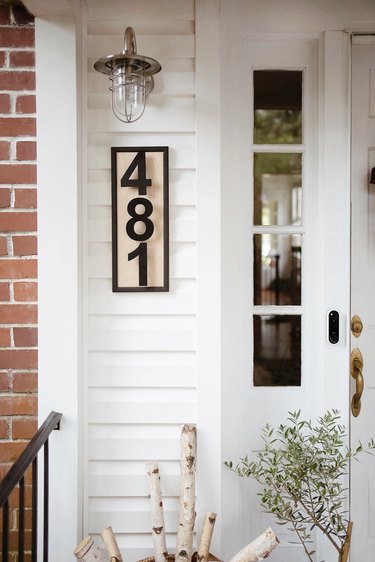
{"points": [[18, 222], [4, 150], [22, 16], [5, 338], [4, 15], [18, 359], [10, 451], [25, 199], [3, 430], [3, 470], [26, 150], [4, 198], [18, 269], [21, 59], [2, 59], [26, 104], [18, 405], [25, 382], [18, 314], [25, 245], [4, 103], [3, 246], [4, 292], [18, 173], [17, 37], [24, 337], [25, 291], [17, 126], [24, 429], [17, 80], [4, 382]]}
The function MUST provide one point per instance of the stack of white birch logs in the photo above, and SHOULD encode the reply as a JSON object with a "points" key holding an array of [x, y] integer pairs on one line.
{"points": [[261, 547]]}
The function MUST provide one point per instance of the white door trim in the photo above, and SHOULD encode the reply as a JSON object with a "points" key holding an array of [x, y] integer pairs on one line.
{"points": [[58, 264]]}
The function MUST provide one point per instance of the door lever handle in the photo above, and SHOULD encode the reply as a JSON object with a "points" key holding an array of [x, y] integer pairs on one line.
{"points": [[356, 367]]}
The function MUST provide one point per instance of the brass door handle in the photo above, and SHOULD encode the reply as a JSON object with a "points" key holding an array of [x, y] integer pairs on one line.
{"points": [[356, 367]]}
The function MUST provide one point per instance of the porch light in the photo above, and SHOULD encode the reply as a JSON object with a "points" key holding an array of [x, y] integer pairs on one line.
{"points": [[131, 78]]}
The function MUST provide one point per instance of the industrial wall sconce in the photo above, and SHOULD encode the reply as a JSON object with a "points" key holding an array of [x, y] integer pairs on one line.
{"points": [[131, 78]]}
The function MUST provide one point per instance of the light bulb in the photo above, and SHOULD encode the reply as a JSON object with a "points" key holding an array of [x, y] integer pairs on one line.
{"points": [[128, 95]]}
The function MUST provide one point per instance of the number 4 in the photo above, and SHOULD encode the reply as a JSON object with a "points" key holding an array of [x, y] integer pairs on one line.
{"points": [[142, 183]]}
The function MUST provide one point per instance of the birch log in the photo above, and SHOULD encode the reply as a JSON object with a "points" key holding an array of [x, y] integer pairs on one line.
{"points": [[111, 545], [184, 548], [258, 549], [88, 551], [157, 513], [206, 536]]}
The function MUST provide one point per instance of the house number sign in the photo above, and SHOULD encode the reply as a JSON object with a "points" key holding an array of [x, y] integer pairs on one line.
{"points": [[140, 234]]}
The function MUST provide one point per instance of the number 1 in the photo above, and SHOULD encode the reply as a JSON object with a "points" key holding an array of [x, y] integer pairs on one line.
{"points": [[141, 252]]}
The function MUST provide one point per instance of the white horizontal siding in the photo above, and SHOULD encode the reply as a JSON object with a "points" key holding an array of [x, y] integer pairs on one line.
{"points": [[141, 356]]}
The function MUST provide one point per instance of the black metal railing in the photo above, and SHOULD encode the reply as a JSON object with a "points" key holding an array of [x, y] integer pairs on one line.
{"points": [[15, 478]]}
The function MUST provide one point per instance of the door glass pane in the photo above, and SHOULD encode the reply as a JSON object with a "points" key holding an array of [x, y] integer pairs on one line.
{"points": [[277, 106], [277, 188], [277, 269], [277, 350]]}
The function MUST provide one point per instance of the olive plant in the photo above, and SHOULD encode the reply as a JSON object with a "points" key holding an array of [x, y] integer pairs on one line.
{"points": [[302, 469]]}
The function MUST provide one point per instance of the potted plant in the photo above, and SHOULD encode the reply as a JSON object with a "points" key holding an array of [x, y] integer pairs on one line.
{"points": [[302, 469]]}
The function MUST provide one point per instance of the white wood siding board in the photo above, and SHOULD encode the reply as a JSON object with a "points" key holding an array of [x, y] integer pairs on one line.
{"points": [[176, 116], [167, 64], [127, 469], [104, 303], [118, 412], [128, 10], [129, 521], [142, 321], [140, 504], [130, 449], [137, 485], [138, 376], [143, 395], [140, 359], [155, 46], [166, 83], [181, 153], [137, 340], [178, 141], [140, 431], [141, 27]]}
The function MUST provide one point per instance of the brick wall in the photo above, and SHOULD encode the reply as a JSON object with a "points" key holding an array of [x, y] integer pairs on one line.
{"points": [[18, 237]]}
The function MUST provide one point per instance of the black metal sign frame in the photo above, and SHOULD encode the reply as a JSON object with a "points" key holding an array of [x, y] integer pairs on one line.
{"points": [[140, 219]]}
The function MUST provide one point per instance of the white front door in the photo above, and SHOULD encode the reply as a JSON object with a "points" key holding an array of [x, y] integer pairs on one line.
{"points": [[363, 291], [286, 251]]}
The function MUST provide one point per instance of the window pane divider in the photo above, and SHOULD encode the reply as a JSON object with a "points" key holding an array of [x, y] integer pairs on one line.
{"points": [[276, 310], [276, 148], [278, 229]]}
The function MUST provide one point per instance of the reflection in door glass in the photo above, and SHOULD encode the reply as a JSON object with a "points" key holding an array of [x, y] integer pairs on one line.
{"points": [[277, 188], [277, 106], [277, 269], [277, 350]]}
